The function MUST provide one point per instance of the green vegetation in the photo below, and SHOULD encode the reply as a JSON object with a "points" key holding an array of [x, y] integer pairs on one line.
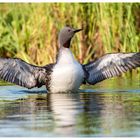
{"points": [[29, 31]]}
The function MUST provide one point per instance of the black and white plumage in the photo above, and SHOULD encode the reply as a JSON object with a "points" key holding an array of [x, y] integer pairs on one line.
{"points": [[21, 73], [111, 65], [66, 74]]}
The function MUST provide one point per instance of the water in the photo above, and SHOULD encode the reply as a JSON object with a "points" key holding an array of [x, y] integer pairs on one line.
{"points": [[112, 108]]}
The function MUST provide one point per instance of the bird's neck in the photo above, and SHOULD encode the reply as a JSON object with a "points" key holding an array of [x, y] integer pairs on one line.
{"points": [[67, 44], [65, 56]]}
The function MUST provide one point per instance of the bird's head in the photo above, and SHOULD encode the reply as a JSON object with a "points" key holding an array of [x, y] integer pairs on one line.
{"points": [[66, 35]]}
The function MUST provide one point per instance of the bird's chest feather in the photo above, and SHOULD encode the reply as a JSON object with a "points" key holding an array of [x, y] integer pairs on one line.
{"points": [[66, 77]]}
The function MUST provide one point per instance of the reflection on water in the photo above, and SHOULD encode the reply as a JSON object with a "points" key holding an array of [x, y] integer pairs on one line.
{"points": [[83, 114]]}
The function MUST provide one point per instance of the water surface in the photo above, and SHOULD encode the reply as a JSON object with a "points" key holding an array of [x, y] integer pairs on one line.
{"points": [[111, 108]]}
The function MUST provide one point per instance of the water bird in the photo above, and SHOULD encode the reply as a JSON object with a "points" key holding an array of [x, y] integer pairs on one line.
{"points": [[67, 74]]}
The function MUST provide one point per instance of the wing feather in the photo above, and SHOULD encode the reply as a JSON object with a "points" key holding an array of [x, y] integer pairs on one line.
{"points": [[21, 73], [111, 65]]}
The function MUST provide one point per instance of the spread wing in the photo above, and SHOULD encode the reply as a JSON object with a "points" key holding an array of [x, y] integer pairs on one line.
{"points": [[21, 73], [111, 65]]}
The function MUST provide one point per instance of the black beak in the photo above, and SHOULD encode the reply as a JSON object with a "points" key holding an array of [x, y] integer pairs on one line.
{"points": [[77, 30]]}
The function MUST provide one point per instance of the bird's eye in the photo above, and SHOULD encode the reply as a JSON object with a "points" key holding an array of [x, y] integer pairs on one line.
{"points": [[69, 30]]}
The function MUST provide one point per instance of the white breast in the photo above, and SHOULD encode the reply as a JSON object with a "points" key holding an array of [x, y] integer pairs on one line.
{"points": [[67, 74]]}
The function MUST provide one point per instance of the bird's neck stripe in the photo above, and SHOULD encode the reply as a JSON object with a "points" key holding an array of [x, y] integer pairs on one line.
{"points": [[67, 44]]}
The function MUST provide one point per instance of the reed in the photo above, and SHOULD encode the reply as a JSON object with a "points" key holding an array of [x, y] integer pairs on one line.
{"points": [[29, 31]]}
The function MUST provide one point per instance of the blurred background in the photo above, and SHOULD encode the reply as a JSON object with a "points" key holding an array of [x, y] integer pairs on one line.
{"points": [[30, 30]]}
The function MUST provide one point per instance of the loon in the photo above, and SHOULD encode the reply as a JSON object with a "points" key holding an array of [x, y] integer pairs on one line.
{"points": [[66, 74]]}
